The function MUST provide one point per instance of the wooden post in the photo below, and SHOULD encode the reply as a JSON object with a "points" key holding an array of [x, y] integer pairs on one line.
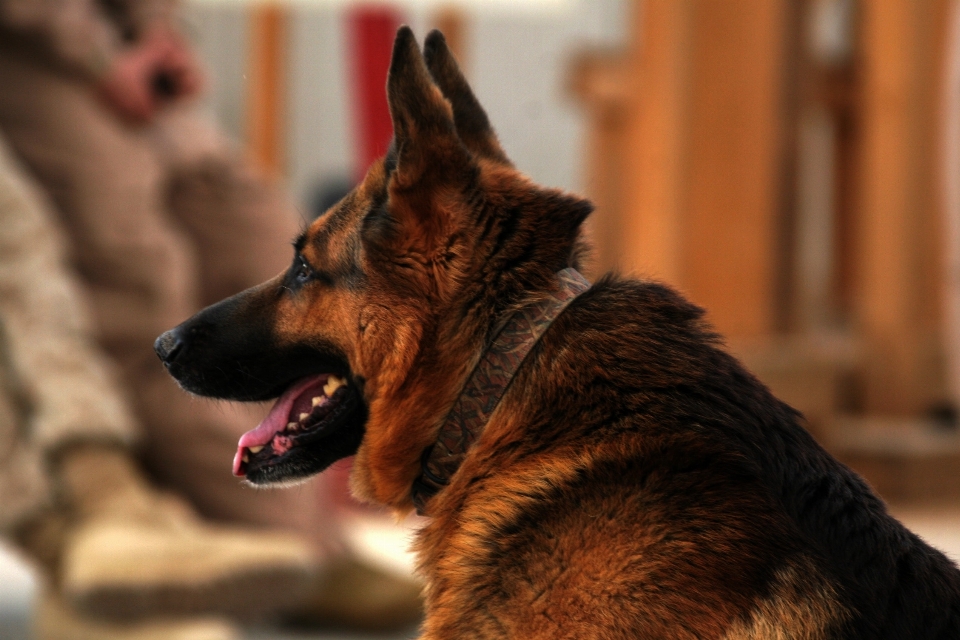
{"points": [[949, 179], [266, 88], [601, 82], [702, 157], [898, 301], [735, 163], [656, 140]]}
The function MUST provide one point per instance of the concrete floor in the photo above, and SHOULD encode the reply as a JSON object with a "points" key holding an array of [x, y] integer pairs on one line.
{"points": [[383, 542]]}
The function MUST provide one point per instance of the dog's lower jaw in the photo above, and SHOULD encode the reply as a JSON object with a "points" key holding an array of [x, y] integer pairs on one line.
{"points": [[317, 421], [302, 462]]}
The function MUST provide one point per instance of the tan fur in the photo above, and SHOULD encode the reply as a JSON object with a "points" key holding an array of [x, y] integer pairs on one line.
{"points": [[799, 608]]}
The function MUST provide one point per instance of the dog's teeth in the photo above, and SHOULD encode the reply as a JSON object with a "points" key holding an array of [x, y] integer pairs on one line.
{"points": [[291, 425], [333, 383], [304, 416], [316, 400], [256, 449], [245, 458]]}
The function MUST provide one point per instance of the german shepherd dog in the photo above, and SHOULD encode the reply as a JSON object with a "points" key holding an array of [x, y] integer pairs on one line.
{"points": [[593, 464]]}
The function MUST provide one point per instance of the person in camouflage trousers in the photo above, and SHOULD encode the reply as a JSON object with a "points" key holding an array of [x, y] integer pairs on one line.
{"points": [[71, 494], [160, 217]]}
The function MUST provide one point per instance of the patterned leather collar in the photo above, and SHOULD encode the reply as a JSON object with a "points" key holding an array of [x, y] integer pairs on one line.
{"points": [[487, 384]]}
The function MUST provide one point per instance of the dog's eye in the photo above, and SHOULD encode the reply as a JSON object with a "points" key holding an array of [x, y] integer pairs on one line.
{"points": [[303, 272]]}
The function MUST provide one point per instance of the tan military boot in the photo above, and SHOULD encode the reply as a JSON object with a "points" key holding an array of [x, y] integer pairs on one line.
{"points": [[132, 552], [55, 620]]}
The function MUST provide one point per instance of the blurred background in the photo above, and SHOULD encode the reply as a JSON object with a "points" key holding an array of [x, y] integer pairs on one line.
{"points": [[793, 166]]}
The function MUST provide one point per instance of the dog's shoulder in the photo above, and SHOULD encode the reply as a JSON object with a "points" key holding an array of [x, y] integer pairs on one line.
{"points": [[636, 467], [602, 487]]}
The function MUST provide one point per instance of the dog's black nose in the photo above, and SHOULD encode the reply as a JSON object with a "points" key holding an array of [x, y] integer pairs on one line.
{"points": [[169, 345]]}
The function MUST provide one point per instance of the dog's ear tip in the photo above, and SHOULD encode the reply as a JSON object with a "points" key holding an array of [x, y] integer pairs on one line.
{"points": [[434, 41], [404, 58], [404, 42]]}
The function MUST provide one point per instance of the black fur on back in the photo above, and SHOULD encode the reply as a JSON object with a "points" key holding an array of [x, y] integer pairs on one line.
{"points": [[647, 362]]}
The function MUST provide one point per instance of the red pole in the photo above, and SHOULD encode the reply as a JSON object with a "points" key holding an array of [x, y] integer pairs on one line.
{"points": [[372, 29]]}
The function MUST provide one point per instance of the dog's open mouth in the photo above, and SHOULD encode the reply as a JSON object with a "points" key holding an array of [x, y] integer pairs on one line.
{"points": [[309, 412]]}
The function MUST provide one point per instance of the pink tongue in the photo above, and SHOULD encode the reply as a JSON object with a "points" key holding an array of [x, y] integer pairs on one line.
{"points": [[275, 421]]}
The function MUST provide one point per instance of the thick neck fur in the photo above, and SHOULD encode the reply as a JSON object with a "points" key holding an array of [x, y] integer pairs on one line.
{"points": [[517, 238]]}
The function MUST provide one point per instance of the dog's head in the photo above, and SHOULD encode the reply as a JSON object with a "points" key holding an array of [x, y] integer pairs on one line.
{"points": [[370, 334]]}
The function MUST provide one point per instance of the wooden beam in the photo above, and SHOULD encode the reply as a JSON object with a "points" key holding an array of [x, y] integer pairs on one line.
{"points": [[266, 87], [898, 301], [730, 262], [702, 165], [655, 143], [601, 80]]}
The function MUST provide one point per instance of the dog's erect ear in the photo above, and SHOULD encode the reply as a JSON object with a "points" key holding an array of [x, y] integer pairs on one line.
{"points": [[471, 120], [423, 125]]}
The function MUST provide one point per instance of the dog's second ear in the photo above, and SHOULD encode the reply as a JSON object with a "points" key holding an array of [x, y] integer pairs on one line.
{"points": [[471, 120], [423, 124]]}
